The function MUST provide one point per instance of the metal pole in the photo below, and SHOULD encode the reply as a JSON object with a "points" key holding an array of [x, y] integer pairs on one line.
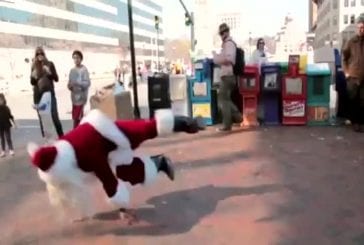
{"points": [[184, 6], [250, 45], [192, 41], [158, 50], [133, 63]]}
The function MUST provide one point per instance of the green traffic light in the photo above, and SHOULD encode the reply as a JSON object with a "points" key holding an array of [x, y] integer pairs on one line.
{"points": [[187, 20], [156, 22]]}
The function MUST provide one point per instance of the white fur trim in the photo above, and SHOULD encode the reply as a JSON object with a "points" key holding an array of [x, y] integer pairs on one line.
{"points": [[64, 168], [120, 157], [165, 121], [150, 170], [106, 127], [32, 148], [121, 197]]}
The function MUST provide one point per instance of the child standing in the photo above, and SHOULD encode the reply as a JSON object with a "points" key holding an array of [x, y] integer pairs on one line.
{"points": [[78, 84], [6, 122]]}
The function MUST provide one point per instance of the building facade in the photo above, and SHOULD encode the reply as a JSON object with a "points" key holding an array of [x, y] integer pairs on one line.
{"points": [[312, 18], [336, 21], [97, 27], [204, 31], [291, 39], [234, 21]]}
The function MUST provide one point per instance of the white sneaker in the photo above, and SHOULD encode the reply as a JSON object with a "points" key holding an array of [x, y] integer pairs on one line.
{"points": [[2, 154], [12, 153]]}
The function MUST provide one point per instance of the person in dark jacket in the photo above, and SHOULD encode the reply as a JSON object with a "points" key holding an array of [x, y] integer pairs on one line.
{"points": [[353, 63], [6, 122], [43, 67]]}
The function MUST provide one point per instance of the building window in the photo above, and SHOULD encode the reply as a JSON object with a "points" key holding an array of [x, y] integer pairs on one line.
{"points": [[334, 4], [346, 19], [353, 3], [346, 3], [352, 19], [362, 2], [334, 36], [334, 21]]}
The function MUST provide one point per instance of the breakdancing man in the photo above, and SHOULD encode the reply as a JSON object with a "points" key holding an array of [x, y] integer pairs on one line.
{"points": [[102, 148]]}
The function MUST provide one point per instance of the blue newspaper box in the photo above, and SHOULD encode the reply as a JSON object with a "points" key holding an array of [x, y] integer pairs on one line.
{"points": [[202, 99], [340, 86], [271, 93]]}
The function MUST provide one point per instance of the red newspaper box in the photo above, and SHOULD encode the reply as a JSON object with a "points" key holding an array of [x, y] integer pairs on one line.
{"points": [[249, 85], [294, 97]]}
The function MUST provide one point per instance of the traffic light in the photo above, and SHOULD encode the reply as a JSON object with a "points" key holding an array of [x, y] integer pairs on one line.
{"points": [[187, 19], [156, 22]]}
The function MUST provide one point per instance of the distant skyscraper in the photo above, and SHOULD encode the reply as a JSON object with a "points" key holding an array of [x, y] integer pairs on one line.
{"points": [[204, 28], [233, 20], [312, 19], [291, 39]]}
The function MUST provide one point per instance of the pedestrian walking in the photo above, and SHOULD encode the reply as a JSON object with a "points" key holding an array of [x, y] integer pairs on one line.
{"points": [[226, 59], [79, 84], [6, 122]]}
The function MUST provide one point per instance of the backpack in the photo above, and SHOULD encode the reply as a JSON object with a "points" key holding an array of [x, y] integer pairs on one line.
{"points": [[239, 65]]}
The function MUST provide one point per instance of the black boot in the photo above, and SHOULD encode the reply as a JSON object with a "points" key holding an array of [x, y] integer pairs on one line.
{"points": [[164, 164], [188, 124]]}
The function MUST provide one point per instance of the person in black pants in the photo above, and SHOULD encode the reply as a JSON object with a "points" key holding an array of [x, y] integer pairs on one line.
{"points": [[43, 67], [6, 122]]}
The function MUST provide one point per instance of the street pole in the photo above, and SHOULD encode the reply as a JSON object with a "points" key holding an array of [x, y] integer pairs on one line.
{"points": [[133, 63], [250, 45], [192, 23], [158, 67], [193, 42]]}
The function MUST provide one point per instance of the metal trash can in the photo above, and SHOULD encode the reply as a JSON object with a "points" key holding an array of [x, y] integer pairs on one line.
{"points": [[158, 93]]}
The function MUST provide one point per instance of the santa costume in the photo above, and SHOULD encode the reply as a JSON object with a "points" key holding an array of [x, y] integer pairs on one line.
{"points": [[103, 148]]}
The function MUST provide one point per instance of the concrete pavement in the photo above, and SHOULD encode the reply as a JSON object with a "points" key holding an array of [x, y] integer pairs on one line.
{"points": [[283, 185]]}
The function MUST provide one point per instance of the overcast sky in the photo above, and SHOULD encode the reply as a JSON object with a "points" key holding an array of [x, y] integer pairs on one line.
{"points": [[266, 20]]}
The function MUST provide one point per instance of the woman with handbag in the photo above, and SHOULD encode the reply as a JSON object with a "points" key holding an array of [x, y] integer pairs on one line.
{"points": [[41, 68]]}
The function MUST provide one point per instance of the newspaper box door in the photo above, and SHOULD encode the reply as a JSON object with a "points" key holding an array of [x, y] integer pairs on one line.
{"points": [[294, 108]]}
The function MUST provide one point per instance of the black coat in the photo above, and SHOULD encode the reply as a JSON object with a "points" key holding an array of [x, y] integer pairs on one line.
{"points": [[53, 77], [5, 117]]}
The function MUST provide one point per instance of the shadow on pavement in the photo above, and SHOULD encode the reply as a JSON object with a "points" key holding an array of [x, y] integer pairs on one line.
{"points": [[178, 212], [322, 169], [220, 160], [18, 180], [207, 134]]}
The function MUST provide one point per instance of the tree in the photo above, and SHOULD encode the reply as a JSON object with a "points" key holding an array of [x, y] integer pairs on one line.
{"points": [[177, 49]]}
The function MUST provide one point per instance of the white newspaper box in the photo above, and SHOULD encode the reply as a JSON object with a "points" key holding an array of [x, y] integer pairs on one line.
{"points": [[179, 94]]}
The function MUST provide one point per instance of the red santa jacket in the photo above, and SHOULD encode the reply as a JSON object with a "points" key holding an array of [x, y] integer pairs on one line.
{"points": [[96, 147]]}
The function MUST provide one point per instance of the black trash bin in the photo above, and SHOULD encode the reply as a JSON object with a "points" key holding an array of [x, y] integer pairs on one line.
{"points": [[158, 93]]}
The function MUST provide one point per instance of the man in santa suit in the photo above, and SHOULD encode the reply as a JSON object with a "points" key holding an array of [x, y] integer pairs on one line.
{"points": [[102, 148]]}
